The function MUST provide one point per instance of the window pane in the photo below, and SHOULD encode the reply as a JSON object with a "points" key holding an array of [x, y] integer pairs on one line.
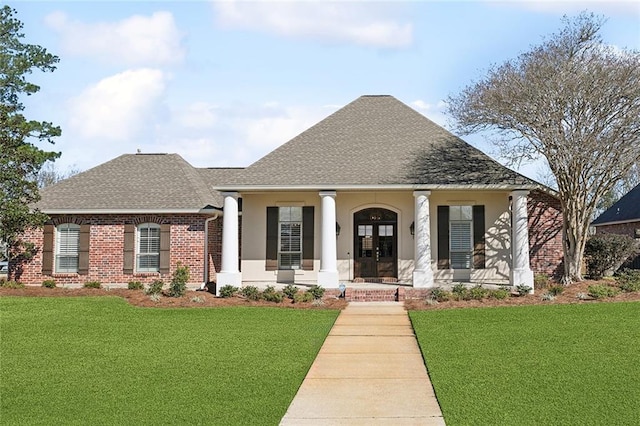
{"points": [[67, 244], [148, 255], [290, 233], [461, 260], [466, 212], [460, 236]]}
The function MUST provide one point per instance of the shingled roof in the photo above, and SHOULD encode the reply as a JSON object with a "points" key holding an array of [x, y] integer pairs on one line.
{"points": [[373, 141], [133, 183], [627, 209]]}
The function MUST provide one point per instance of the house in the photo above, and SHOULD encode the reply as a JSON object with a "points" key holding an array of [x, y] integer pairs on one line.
{"points": [[622, 218], [375, 192]]}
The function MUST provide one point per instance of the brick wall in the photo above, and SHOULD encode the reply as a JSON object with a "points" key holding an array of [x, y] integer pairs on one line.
{"points": [[545, 233], [106, 249]]}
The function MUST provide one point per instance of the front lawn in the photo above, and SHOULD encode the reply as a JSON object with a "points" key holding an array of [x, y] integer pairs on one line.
{"points": [[564, 364], [98, 360]]}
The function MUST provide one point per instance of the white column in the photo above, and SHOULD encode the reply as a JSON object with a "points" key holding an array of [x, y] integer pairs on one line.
{"points": [[423, 272], [328, 274], [521, 273], [229, 272]]}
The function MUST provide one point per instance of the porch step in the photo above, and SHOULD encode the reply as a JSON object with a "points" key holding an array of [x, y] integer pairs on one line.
{"points": [[394, 294]]}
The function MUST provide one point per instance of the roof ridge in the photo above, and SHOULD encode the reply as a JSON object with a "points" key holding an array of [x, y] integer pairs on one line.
{"points": [[196, 181]]}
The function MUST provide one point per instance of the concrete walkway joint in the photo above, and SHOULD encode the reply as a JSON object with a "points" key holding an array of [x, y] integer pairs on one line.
{"points": [[369, 371]]}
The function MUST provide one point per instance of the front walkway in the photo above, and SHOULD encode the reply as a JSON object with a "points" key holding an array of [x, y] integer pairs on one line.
{"points": [[369, 371]]}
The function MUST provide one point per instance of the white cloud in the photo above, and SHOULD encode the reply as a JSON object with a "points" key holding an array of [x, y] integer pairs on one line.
{"points": [[363, 24], [434, 112], [616, 7], [198, 115], [119, 107], [137, 40]]}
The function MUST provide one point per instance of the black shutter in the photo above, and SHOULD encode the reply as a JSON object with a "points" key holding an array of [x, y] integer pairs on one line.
{"points": [[129, 243], [443, 237], [271, 263], [47, 250], [478, 237], [307, 238], [83, 250], [165, 247]]}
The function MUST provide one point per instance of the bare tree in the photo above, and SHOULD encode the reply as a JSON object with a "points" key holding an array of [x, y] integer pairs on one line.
{"points": [[49, 174], [576, 102], [626, 184]]}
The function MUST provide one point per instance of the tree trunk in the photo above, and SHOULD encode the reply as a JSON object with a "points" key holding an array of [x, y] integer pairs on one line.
{"points": [[574, 241]]}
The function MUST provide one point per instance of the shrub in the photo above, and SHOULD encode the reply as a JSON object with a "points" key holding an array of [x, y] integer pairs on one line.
{"points": [[523, 290], [439, 294], [548, 296], [49, 283], [316, 291], [271, 295], [197, 299], [460, 292], [540, 281], [12, 284], [556, 290], [155, 297], [135, 285], [629, 280], [477, 292], [92, 284], [155, 287], [228, 291], [600, 291], [251, 292], [604, 253], [303, 296], [499, 294], [290, 291], [179, 279]]}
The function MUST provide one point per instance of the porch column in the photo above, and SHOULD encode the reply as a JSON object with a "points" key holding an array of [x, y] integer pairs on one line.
{"points": [[328, 274], [521, 273], [229, 272], [422, 273]]}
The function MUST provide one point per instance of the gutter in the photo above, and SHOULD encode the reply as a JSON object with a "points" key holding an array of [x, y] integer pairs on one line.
{"points": [[342, 187]]}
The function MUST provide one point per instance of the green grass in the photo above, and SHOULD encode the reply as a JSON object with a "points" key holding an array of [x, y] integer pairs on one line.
{"points": [[78, 361], [535, 365]]}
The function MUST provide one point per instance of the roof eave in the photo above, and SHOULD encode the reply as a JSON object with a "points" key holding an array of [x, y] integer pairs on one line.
{"points": [[206, 210], [616, 222], [392, 187]]}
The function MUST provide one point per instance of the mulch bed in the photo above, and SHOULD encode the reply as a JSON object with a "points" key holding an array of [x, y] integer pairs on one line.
{"points": [[139, 298]]}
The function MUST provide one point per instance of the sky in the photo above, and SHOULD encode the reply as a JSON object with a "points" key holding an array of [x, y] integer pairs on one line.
{"points": [[222, 83]]}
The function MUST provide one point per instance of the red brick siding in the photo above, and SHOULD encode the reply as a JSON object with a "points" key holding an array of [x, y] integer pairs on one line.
{"points": [[107, 245], [545, 233]]}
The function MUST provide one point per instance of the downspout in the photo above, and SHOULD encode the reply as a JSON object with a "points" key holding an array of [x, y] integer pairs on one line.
{"points": [[205, 278]]}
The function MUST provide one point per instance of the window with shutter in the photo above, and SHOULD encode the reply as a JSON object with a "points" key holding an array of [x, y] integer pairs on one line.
{"points": [[67, 248], [148, 245], [461, 236], [290, 237]]}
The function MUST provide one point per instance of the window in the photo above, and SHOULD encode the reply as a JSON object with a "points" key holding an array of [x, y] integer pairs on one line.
{"points": [[290, 237], [148, 244], [461, 236], [67, 247]]}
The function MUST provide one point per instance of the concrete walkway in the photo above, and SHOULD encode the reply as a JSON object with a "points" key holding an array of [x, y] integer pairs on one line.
{"points": [[369, 371]]}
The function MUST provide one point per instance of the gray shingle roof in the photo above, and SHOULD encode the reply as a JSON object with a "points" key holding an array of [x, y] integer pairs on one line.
{"points": [[626, 209], [140, 182], [376, 140]]}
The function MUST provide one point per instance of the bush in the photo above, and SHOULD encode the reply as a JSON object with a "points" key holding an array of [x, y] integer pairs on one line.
{"points": [[135, 285], [523, 290], [179, 279], [302, 297], [49, 283], [605, 253], [12, 284], [228, 291], [628, 280], [600, 291], [477, 292], [439, 294], [155, 287], [460, 292], [251, 292], [271, 295], [540, 281], [499, 294], [92, 284], [556, 290], [290, 291], [316, 291], [548, 296]]}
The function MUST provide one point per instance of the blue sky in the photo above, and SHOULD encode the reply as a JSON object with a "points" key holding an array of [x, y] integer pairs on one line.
{"points": [[223, 83]]}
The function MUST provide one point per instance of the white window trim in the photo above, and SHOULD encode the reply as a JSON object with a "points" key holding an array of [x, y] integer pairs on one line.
{"points": [[138, 251], [280, 252], [69, 253]]}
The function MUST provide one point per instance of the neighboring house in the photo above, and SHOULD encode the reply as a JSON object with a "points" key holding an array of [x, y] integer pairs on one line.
{"points": [[374, 192], [622, 218]]}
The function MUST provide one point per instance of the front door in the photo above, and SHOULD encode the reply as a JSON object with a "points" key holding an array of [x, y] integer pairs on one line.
{"points": [[375, 243]]}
